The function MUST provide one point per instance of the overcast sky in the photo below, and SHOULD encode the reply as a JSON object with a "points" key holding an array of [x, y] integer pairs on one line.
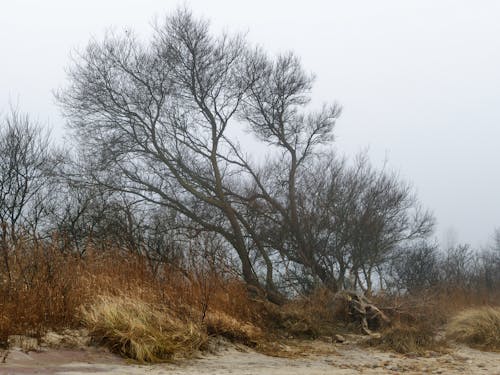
{"points": [[419, 80]]}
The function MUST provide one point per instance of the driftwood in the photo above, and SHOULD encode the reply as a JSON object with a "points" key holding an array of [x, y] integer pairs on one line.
{"points": [[359, 309]]}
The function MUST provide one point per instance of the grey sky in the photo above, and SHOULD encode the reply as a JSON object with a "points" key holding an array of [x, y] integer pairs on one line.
{"points": [[419, 80]]}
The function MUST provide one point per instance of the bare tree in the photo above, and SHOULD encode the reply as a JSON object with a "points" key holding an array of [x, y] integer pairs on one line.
{"points": [[89, 215], [355, 219], [26, 166], [489, 264], [417, 268], [457, 266], [156, 117], [389, 217], [495, 243]]}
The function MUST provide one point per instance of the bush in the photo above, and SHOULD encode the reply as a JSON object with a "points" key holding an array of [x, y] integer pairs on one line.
{"points": [[479, 327]]}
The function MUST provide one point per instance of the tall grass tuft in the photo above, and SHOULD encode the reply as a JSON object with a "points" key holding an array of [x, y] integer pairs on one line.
{"points": [[141, 331], [477, 327]]}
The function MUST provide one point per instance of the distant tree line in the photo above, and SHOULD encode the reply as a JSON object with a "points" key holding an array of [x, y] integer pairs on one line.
{"points": [[157, 169]]}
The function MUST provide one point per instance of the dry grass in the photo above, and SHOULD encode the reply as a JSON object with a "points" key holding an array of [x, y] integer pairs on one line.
{"points": [[304, 317], [219, 323], [405, 339], [47, 286], [124, 296], [296, 348], [40, 292], [478, 327], [416, 319], [141, 331], [433, 306]]}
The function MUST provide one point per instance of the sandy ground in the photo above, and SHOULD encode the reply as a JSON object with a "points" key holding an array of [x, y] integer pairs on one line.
{"points": [[321, 358]]}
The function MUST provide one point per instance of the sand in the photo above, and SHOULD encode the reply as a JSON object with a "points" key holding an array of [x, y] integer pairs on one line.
{"points": [[320, 358]]}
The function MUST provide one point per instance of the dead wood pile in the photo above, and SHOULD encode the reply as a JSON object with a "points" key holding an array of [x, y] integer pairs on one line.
{"points": [[357, 308]]}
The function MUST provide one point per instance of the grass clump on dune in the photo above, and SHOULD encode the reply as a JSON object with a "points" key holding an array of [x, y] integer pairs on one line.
{"points": [[221, 324], [406, 339], [479, 327], [141, 331]]}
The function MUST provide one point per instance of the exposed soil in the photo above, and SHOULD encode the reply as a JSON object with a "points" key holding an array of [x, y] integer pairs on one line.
{"points": [[306, 358]]}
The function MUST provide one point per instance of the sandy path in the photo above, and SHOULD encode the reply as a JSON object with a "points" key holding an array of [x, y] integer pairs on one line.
{"points": [[328, 359]]}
